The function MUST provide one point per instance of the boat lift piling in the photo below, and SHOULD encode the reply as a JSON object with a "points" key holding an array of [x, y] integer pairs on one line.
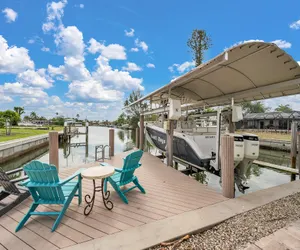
{"points": [[137, 133], [53, 149], [111, 142], [227, 166]]}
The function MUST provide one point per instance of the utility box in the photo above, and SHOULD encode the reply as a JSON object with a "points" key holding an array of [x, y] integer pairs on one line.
{"points": [[175, 109], [237, 113]]}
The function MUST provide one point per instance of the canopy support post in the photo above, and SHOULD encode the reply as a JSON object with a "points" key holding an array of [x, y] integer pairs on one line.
{"points": [[141, 132], [170, 143]]}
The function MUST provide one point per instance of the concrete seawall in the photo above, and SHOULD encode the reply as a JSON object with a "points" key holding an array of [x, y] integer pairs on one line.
{"points": [[272, 144], [11, 149]]}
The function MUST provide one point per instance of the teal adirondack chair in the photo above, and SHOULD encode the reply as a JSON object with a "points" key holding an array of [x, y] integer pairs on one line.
{"points": [[46, 188], [126, 175]]}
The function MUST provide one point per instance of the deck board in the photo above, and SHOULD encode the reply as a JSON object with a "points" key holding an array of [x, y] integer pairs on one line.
{"points": [[168, 193]]}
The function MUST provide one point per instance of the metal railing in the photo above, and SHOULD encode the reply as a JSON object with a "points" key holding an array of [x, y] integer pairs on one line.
{"points": [[100, 149]]}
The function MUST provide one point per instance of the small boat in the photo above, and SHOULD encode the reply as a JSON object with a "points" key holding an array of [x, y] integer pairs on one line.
{"points": [[195, 144]]}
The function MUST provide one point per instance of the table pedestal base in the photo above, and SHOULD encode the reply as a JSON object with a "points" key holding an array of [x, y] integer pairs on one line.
{"points": [[90, 200]]}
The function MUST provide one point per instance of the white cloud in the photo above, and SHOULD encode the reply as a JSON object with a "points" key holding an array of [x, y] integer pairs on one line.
{"points": [[246, 41], [92, 91], [34, 102], [279, 42], [298, 62], [35, 79], [141, 44], [114, 78], [31, 41], [69, 41], [73, 69], [134, 50], [48, 27], [112, 51], [150, 65], [81, 6], [282, 44], [4, 98], [181, 67], [55, 11], [129, 33], [10, 15], [19, 89], [295, 25], [45, 49], [132, 67], [13, 59]]}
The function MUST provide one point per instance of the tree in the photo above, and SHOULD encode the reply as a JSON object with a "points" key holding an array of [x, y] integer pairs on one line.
{"points": [[254, 107], [19, 110], [13, 116], [77, 116], [284, 108], [121, 120], [33, 115], [199, 42], [59, 121], [133, 111], [26, 118]]}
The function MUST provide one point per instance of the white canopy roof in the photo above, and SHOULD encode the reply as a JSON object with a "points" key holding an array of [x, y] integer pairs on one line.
{"points": [[246, 72]]}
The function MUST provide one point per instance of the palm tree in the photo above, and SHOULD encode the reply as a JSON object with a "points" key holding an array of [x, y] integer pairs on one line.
{"points": [[33, 115], [19, 110], [77, 116]]}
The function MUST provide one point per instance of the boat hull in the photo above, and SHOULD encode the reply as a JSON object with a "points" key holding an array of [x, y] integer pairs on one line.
{"points": [[181, 148]]}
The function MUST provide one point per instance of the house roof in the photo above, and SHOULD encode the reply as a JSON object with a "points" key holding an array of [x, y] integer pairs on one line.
{"points": [[273, 115], [246, 72]]}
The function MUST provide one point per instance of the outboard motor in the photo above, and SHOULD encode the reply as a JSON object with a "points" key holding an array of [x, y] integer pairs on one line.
{"points": [[251, 146], [239, 150]]}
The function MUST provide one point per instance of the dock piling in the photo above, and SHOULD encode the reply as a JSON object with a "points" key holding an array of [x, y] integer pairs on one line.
{"points": [[293, 144], [137, 132], [227, 166], [53, 149], [298, 155], [111, 142]]}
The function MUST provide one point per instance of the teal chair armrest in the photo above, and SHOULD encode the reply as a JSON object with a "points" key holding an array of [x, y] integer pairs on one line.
{"points": [[76, 174], [24, 183]]}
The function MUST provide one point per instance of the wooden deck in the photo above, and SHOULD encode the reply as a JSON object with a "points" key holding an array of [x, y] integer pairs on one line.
{"points": [[168, 193]]}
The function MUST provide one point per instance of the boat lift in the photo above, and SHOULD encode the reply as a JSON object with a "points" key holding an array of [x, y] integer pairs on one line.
{"points": [[246, 72]]}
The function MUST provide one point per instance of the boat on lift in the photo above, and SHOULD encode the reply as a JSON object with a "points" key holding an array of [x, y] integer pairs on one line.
{"points": [[249, 71], [196, 140]]}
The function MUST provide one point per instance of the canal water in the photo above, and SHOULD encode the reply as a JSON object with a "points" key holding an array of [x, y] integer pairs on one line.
{"points": [[76, 154]]}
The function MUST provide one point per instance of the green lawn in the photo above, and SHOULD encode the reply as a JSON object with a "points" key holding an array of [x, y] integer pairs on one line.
{"points": [[275, 136], [18, 133]]}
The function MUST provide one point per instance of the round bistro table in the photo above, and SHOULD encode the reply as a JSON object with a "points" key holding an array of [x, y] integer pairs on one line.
{"points": [[94, 173]]}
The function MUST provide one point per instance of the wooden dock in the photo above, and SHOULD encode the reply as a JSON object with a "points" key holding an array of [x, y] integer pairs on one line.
{"points": [[168, 193]]}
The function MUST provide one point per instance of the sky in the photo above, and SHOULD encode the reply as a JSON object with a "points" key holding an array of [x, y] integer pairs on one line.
{"points": [[86, 56]]}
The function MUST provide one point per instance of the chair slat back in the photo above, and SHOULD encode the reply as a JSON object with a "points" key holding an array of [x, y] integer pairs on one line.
{"points": [[131, 162], [6, 183], [42, 174]]}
